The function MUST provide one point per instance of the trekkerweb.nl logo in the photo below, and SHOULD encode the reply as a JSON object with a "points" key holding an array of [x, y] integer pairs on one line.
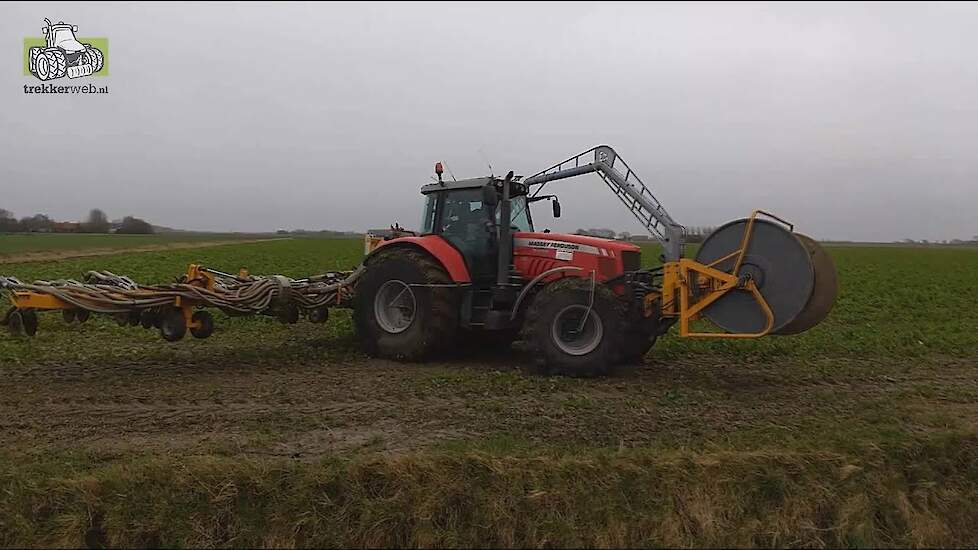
{"points": [[59, 53]]}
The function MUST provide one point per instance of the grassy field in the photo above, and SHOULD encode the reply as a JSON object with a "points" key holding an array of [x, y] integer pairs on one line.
{"points": [[860, 432]]}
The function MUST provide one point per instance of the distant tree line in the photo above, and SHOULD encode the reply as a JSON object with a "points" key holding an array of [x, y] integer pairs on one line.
{"points": [[319, 233], [972, 241], [96, 222], [694, 234]]}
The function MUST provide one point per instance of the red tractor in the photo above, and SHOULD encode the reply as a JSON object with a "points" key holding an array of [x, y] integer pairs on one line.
{"points": [[581, 304], [479, 273]]}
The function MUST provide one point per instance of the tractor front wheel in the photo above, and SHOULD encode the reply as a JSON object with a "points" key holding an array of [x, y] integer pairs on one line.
{"points": [[636, 346], [640, 335], [572, 334], [50, 64], [405, 307]]}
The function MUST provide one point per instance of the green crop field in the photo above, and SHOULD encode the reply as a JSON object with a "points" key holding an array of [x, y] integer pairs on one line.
{"points": [[13, 246], [860, 432]]}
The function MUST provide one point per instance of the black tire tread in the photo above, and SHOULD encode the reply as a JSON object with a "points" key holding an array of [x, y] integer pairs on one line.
{"points": [[57, 62], [442, 327], [96, 57], [537, 325]]}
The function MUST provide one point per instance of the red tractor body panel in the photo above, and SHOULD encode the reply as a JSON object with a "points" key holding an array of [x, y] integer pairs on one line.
{"points": [[439, 249], [534, 253]]}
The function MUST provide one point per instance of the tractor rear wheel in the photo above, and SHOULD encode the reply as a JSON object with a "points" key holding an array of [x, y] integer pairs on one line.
{"points": [[398, 314], [568, 337]]}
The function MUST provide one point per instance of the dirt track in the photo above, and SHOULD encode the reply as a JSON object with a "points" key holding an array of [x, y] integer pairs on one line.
{"points": [[305, 410]]}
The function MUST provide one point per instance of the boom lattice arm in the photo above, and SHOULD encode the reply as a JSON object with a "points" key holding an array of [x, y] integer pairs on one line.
{"points": [[629, 189]]}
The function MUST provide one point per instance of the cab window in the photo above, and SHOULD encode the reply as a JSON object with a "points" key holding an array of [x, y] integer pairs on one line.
{"points": [[428, 216], [519, 214]]}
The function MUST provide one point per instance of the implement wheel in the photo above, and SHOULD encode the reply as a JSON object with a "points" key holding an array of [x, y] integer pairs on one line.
{"points": [[319, 315], [173, 327], [570, 338], [396, 316], [148, 319], [22, 322], [205, 327], [15, 323]]}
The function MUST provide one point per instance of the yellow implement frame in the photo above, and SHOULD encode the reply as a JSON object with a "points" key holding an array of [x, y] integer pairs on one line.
{"points": [[688, 287], [196, 275]]}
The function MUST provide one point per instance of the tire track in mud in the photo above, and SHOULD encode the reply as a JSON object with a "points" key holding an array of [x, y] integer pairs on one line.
{"points": [[306, 410]]}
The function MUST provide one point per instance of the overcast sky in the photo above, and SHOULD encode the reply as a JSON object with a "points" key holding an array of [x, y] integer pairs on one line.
{"points": [[855, 121]]}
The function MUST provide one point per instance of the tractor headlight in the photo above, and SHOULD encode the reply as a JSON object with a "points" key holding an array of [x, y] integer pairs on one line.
{"points": [[74, 28]]}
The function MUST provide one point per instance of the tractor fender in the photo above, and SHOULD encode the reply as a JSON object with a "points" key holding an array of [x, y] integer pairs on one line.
{"points": [[450, 258], [536, 280]]}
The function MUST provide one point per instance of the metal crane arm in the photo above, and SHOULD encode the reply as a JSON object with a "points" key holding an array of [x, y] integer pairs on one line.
{"points": [[629, 189]]}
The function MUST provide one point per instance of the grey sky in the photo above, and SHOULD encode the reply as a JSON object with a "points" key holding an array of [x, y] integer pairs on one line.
{"points": [[855, 121]]}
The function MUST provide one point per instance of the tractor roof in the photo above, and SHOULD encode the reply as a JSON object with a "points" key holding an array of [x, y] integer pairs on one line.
{"points": [[471, 183], [460, 184]]}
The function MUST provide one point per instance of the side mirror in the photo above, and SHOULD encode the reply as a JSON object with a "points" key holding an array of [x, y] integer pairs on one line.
{"points": [[44, 30], [74, 28], [489, 196], [556, 205]]}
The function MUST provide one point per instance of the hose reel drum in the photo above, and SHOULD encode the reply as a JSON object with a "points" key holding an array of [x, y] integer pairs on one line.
{"points": [[793, 273]]}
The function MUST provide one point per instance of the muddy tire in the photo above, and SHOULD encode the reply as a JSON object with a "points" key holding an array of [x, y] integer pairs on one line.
{"points": [[205, 327], [636, 346], [640, 334], [30, 321], [22, 322], [173, 327], [396, 319], [319, 315], [552, 335], [148, 319]]}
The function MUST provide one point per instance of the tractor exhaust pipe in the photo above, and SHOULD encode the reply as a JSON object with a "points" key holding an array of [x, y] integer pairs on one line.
{"points": [[505, 234]]}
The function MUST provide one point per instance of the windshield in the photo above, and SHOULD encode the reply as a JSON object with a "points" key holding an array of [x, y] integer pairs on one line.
{"points": [[63, 35], [520, 214]]}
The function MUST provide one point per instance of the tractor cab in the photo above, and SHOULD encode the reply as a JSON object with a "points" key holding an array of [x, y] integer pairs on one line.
{"points": [[62, 35], [466, 214]]}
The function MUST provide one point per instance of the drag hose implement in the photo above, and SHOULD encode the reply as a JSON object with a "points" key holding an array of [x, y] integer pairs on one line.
{"points": [[180, 306]]}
